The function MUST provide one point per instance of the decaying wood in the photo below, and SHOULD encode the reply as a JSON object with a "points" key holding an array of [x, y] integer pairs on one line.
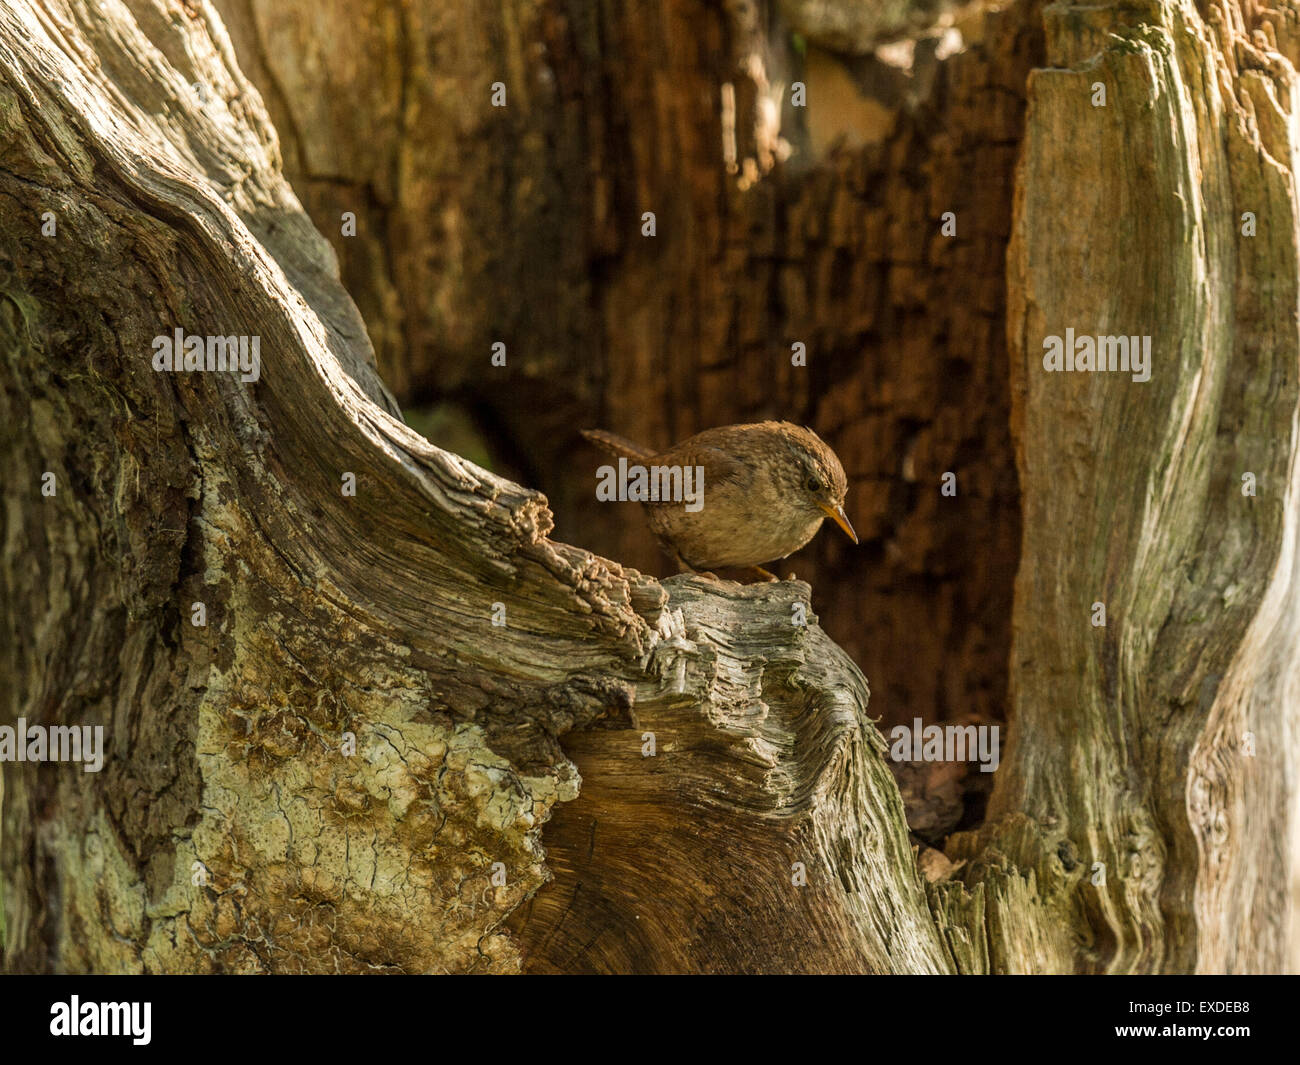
{"points": [[330, 614], [688, 861], [1159, 745], [614, 109], [526, 744]]}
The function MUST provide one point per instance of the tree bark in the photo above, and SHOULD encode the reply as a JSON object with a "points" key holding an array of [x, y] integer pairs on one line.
{"points": [[330, 614], [672, 775], [614, 109]]}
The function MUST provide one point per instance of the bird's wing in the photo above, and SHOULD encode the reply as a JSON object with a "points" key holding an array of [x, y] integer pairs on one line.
{"points": [[719, 467]]}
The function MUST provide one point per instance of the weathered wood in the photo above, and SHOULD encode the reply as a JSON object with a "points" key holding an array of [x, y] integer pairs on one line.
{"points": [[687, 861], [1133, 753], [330, 614], [614, 109], [524, 744]]}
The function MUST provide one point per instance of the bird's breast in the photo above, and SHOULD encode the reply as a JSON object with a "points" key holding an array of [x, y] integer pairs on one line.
{"points": [[737, 526]]}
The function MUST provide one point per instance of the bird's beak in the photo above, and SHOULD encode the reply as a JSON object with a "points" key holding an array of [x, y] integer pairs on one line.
{"points": [[837, 515]]}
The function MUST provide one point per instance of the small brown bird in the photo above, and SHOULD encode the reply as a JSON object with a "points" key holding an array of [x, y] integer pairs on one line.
{"points": [[767, 489]]}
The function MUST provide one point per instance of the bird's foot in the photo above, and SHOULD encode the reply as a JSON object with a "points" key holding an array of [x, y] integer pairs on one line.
{"points": [[760, 574]]}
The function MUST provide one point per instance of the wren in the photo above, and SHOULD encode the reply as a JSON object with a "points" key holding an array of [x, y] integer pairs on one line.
{"points": [[768, 487]]}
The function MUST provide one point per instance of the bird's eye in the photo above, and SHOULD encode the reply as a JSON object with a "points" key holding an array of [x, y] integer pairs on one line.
{"points": [[813, 485]]}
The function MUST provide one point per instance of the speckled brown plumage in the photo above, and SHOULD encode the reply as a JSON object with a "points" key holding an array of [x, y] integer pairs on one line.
{"points": [[768, 486]]}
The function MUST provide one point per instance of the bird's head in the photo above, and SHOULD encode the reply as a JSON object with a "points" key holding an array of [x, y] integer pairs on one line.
{"points": [[822, 486]]}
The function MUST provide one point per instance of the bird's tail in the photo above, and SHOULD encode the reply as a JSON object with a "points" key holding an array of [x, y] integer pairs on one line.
{"points": [[618, 445]]}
